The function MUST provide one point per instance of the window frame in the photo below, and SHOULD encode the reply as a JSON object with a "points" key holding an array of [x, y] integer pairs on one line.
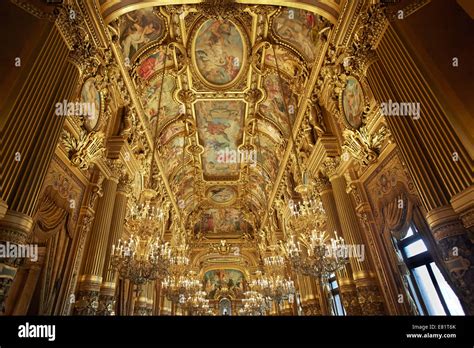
{"points": [[422, 259]]}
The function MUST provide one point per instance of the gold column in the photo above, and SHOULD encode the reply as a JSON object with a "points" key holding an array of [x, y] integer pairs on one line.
{"points": [[368, 293], [91, 280], [439, 163], [86, 218], [29, 138], [345, 281], [311, 304], [107, 290]]}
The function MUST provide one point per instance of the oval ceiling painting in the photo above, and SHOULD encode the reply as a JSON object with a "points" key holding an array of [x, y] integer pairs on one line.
{"points": [[221, 194], [219, 51]]}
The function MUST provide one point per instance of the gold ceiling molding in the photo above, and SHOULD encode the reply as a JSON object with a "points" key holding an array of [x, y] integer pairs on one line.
{"points": [[112, 9]]}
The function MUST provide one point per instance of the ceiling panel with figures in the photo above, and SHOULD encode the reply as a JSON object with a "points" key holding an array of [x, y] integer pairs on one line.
{"points": [[222, 109]]}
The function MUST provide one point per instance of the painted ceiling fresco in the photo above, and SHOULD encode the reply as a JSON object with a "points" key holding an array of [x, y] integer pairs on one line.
{"points": [[216, 75], [153, 64], [274, 106], [219, 126], [298, 28], [218, 51], [168, 108], [222, 222], [137, 29]]}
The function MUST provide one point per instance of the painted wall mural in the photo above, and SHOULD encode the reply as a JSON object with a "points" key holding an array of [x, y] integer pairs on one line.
{"points": [[218, 51], [220, 129], [150, 99], [137, 29], [221, 221], [298, 28], [173, 153], [154, 63], [266, 155], [287, 63], [217, 282], [171, 130], [273, 106]]}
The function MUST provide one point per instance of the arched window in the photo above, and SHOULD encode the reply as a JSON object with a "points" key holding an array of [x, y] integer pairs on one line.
{"points": [[429, 289]]}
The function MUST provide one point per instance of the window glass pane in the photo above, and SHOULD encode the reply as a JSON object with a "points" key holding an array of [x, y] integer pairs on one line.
{"points": [[409, 233], [337, 302], [428, 291], [415, 248], [334, 284], [448, 294]]}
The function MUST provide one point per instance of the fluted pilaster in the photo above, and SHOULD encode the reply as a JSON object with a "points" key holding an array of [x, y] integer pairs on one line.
{"points": [[29, 139], [346, 283], [440, 164], [91, 279], [107, 292], [370, 299]]}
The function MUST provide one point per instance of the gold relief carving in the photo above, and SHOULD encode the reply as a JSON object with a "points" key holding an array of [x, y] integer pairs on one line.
{"points": [[125, 184], [467, 218], [350, 300], [88, 303], [322, 184], [330, 166], [15, 227], [446, 230], [71, 23], [117, 169], [186, 96], [353, 189], [312, 309], [364, 146], [253, 96], [221, 9], [370, 299], [95, 192], [85, 150]]}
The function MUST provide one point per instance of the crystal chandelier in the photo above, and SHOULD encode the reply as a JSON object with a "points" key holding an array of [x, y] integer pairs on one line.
{"points": [[314, 254], [140, 260], [273, 287], [198, 304], [144, 256], [179, 288], [180, 284], [253, 304]]}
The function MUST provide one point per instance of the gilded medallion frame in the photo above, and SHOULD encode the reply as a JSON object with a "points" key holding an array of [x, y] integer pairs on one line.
{"points": [[244, 64], [360, 115], [101, 106]]}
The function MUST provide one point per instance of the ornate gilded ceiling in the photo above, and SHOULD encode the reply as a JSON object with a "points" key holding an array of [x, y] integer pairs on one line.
{"points": [[219, 94]]}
